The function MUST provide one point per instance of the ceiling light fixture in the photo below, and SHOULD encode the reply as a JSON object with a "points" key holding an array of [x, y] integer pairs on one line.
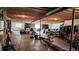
{"points": [[23, 16], [54, 19]]}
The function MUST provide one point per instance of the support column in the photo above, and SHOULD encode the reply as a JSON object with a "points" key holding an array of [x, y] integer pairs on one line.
{"points": [[72, 28], [0, 25], [9, 25], [4, 33], [40, 28]]}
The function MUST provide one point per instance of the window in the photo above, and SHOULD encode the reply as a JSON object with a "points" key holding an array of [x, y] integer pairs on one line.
{"points": [[56, 26], [1, 25], [17, 25]]}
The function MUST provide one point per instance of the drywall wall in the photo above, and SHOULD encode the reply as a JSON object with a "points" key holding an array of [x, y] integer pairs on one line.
{"points": [[69, 22]]}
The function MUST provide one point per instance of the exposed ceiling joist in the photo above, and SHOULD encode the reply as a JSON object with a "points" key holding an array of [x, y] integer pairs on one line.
{"points": [[52, 12]]}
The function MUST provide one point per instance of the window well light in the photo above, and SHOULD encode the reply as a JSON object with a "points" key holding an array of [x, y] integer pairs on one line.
{"points": [[37, 26]]}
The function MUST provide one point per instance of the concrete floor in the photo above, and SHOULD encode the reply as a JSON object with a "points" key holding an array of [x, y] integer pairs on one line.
{"points": [[24, 43], [62, 43]]}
